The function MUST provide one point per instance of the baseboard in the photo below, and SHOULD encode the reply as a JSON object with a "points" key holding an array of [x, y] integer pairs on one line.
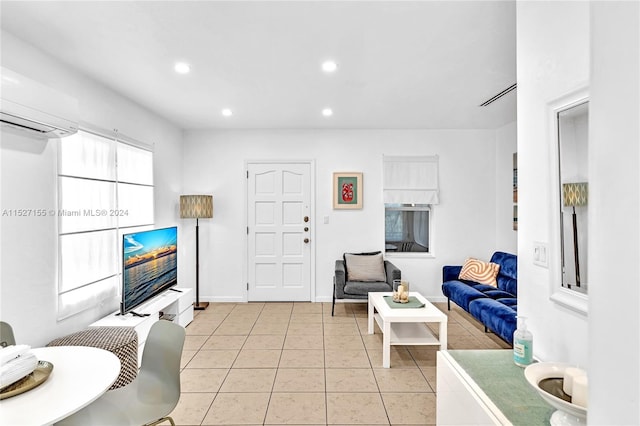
{"points": [[322, 299], [224, 299]]}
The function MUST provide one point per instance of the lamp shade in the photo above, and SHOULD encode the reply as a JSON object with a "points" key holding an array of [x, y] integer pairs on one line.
{"points": [[575, 194], [196, 206]]}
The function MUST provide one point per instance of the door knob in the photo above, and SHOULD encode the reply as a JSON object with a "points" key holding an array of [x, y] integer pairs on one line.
{"points": [[306, 218], [306, 229], [306, 240]]}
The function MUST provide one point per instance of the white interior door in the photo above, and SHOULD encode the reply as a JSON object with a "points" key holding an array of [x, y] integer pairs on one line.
{"points": [[279, 232]]}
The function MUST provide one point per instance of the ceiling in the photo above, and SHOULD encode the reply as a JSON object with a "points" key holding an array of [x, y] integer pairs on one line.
{"points": [[401, 64]]}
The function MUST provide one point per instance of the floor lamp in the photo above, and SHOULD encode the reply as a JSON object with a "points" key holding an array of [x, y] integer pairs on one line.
{"points": [[575, 195], [197, 207]]}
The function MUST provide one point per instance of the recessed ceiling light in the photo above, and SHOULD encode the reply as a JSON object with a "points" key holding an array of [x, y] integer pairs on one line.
{"points": [[182, 68], [327, 112], [227, 112], [329, 66]]}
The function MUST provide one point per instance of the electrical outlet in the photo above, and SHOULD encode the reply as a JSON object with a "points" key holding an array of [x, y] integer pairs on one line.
{"points": [[541, 254]]}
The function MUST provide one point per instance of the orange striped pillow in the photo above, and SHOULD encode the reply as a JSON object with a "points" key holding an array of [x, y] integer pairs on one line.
{"points": [[480, 272]]}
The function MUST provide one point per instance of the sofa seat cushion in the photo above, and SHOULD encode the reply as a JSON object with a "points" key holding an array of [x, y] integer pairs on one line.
{"points": [[461, 293], [362, 288], [497, 316], [511, 302], [498, 294], [482, 288]]}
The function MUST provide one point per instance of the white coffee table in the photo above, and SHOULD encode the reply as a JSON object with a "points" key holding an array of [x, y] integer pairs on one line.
{"points": [[405, 326]]}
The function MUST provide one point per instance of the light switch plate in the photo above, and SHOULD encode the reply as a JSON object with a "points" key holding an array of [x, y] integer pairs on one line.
{"points": [[541, 254]]}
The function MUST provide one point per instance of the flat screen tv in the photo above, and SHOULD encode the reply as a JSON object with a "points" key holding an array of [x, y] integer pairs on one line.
{"points": [[149, 265]]}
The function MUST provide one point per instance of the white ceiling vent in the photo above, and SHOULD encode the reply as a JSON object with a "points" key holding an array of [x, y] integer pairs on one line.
{"points": [[499, 95]]}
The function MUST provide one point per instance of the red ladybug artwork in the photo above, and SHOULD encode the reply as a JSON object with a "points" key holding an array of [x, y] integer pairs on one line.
{"points": [[347, 192]]}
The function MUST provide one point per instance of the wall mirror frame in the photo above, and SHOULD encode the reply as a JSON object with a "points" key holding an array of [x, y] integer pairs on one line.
{"points": [[569, 186]]}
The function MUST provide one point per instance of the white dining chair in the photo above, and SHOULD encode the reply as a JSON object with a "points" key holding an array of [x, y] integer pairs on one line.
{"points": [[6, 335], [152, 396]]}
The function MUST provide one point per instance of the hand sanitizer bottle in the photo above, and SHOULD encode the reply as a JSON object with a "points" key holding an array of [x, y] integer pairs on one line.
{"points": [[522, 344]]}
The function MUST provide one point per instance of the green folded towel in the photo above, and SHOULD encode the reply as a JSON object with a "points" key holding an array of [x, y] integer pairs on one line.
{"points": [[412, 303]]}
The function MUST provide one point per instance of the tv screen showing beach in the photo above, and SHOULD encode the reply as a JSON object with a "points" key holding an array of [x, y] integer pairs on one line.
{"points": [[150, 260]]}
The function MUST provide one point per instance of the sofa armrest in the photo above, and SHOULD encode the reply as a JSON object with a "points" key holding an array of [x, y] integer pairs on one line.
{"points": [[450, 272], [339, 279], [392, 272]]}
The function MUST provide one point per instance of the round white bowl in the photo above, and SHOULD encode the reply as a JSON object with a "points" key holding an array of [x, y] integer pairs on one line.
{"points": [[567, 413]]}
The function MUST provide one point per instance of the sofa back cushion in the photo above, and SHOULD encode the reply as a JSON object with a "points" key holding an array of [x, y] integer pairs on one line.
{"points": [[365, 267], [508, 276], [480, 272]]}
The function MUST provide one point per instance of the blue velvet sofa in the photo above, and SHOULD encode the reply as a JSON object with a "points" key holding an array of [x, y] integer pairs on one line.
{"points": [[495, 308]]}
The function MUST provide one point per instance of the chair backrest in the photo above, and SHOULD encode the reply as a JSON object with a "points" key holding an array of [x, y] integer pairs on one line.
{"points": [[6, 335], [161, 360]]}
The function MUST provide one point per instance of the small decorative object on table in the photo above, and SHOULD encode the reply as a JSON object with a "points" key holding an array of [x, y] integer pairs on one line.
{"points": [[400, 291], [522, 343], [34, 379], [549, 378]]}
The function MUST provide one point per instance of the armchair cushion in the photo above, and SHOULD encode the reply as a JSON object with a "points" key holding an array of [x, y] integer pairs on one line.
{"points": [[367, 267], [345, 287]]}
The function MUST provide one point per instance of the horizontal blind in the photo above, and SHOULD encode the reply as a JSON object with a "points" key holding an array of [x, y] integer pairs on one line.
{"points": [[104, 186], [410, 180]]}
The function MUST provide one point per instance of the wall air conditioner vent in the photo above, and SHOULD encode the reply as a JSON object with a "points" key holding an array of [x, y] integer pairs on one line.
{"points": [[26, 125], [29, 106], [499, 95]]}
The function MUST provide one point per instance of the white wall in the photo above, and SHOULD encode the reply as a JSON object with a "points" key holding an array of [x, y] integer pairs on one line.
{"points": [[550, 63], [464, 224], [604, 38], [28, 180], [614, 209], [506, 145]]}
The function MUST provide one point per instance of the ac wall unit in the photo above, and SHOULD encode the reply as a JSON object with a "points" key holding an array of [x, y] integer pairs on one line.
{"points": [[29, 106]]}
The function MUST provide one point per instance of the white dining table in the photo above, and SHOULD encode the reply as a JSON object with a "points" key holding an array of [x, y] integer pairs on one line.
{"points": [[80, 376]]}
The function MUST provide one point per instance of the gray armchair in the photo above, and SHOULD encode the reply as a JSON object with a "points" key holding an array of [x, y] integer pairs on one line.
{"points": [[343, 289]]}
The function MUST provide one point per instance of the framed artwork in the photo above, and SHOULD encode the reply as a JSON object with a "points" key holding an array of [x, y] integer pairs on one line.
{"points": [[347, 190], [515, 191], [515, 177]]}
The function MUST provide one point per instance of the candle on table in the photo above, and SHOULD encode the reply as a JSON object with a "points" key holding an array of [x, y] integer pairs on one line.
{"points": [[580, 391], [569, 374]]}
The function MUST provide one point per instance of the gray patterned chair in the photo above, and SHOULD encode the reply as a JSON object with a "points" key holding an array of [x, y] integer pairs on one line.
{"points": [[121, 341], [356, 274]]}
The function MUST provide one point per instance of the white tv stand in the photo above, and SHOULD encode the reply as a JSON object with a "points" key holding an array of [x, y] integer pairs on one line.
{"points": [[175, 306]]}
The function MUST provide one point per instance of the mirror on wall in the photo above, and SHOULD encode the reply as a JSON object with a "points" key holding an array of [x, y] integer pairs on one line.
{"points": [[573, 138]]}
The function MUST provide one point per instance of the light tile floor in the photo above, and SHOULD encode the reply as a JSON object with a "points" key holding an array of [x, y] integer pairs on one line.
{"points": [[295, 364]]}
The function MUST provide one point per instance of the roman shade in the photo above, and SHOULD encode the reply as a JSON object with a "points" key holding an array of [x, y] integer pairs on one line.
{"points": [[105, 189], [410, 180]]}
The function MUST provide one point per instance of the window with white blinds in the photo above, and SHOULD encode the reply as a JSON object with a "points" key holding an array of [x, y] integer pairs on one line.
{"points": [[105, 188]]}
